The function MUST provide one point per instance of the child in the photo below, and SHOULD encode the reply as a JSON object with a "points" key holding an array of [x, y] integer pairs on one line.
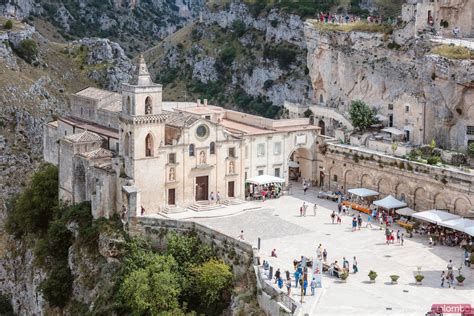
{"points": [[339, 221], [288, 286], [313, 286]]}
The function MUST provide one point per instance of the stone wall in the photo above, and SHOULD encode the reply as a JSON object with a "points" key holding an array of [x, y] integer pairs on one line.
{"points": [[422, 186], [239, 254]]}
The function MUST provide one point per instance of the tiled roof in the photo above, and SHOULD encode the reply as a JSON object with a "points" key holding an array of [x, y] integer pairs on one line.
{"points": [[84, 137], [181, 120], [95, 93], [98, 153]]}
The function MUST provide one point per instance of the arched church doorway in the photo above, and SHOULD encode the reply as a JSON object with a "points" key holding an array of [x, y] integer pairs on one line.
{"points": [[322, 125]]}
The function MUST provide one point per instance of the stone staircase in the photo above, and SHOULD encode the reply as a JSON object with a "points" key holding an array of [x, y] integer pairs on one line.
{"points": [[202, 206], [173, 209]]}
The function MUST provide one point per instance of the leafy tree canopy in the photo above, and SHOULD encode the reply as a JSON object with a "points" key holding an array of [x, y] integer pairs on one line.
{"points": [[362, 116]]}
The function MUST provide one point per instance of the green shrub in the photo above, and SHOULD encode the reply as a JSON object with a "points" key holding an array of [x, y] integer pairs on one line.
{"points": [[28, 50], [8, 25], [227, 55], [57, 287], [239, 28], [362, 116], [470, 150], [372, 275], [6, 308], [35, 207], [419, 277], [284, 54], [433, 160], [213, 280]]}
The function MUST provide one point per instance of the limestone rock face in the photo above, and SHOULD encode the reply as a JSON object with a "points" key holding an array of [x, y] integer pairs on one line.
{"points": [[113, 66], [361, 66]]}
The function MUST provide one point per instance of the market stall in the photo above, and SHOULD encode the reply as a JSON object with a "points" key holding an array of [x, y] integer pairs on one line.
{"points": [[264, 186], [360, 199], [390, 204], [460, 224], [434, 216], [405, 214]]}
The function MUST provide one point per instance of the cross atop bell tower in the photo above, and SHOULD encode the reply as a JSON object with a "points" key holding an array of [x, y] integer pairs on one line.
{"points": [[142, 77], [141, 96]]}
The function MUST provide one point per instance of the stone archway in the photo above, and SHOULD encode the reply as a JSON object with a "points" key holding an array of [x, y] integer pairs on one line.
{"points": [[421, 200], [322, 125], [366, 181], [441, 202], [384, 187], [462, 205], [301, 162], [403, 192], [350, 180]]}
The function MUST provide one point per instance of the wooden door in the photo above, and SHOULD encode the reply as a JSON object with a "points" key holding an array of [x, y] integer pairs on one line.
{"points": [[230, 189], [171, 196], [202, 188]]}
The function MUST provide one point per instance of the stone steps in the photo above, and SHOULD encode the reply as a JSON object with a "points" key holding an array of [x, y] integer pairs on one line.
{"points": [[202, 206], [173, 210]]}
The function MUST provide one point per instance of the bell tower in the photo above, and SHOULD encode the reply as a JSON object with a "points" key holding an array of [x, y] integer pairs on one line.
{"points": [[141, 119]]}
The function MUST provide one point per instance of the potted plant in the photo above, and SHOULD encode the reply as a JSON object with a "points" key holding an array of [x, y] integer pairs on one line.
{"points": [[460, 278], [394, 278], [372, 276], [419, 278], [343, 276], [471, 260]]}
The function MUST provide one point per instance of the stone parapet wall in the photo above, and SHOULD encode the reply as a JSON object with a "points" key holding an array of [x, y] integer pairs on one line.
{"points": [[239, 254], [422, 186]]}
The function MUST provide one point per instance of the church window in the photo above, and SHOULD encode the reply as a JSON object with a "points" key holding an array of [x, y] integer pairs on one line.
{"points": [[148, 106], [129, 106], [149, 145], [212, 148], [277, 148], [202, 131], [261, 150], [172, 158], [126, 144], [470, 130], [191, 150], [232, 152], [321, 98]]}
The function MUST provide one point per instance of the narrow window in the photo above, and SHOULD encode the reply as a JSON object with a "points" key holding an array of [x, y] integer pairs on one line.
{"points": [[212, 148], [149, 146], [191, 150]]}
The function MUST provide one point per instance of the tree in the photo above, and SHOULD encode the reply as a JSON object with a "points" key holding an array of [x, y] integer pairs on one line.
{"points": [[470, 150], [8, 24], [213, 280], [362, 116], [153, 289], [28, 50], [34, 208]]}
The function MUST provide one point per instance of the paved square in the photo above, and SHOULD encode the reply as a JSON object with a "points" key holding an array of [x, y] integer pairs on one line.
{"points": [[279, 226]]}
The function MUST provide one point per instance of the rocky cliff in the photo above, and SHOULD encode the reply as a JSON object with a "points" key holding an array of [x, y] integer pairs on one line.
{"points": [[393, 72], [136, 25], [236, 59]]}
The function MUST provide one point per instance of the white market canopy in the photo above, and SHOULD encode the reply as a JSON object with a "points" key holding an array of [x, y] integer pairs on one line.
{"points": [[406, 211], [461, 224], [363, 192], [265, 179], [393, 131], [389, 203], [435, 216]]}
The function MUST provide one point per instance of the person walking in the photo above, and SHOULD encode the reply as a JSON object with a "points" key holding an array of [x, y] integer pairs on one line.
{"points": [[305, 188], [277, 275], [339, 219], [345, 264], [466, 258], [325, 255], [443, 277], [280, 283], [359, 222], [369, 222], [305, 207], [355, 268], [211, 198], [288, 286], [241, 235], [297, 278], [319, 252], [333, 216], [354, 224], [315, 207], [313, 286], [402, 238], [305, 285], [398, 236], [301, 211], [339, 207], [218, 197]]}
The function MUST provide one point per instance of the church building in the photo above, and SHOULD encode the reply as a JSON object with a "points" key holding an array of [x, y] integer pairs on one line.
{"points": [[132, 151]]}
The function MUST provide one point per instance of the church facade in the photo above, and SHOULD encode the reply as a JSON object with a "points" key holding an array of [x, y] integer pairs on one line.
{"points": [[132, 151]]}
